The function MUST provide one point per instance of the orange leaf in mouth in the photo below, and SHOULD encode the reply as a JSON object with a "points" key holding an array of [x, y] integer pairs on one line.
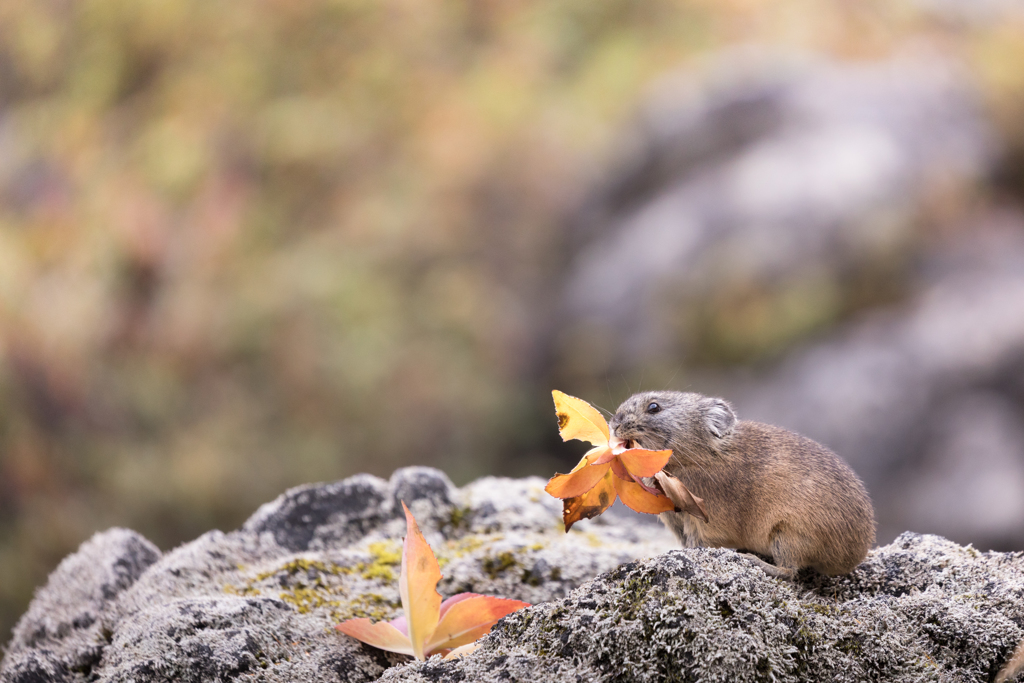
{"points": [[638, 498], [577, 419], [581, 479], [620, 470], [643, 463], [592, 503], [606, 471]]}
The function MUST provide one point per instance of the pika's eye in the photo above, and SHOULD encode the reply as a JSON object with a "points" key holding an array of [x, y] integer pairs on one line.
{"points": [[653, 408]]}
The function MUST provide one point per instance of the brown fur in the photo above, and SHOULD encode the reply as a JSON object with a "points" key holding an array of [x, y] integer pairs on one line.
{"points": [[1013, 666], [765, 489]]}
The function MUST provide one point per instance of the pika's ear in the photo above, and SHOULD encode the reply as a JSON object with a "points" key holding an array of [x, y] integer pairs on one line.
{"points": [[718, 417]]}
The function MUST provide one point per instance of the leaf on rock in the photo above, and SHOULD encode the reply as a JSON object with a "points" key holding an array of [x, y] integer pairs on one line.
{"points": [[381, 634], [470, 618], [429, 626], [417, 585]]}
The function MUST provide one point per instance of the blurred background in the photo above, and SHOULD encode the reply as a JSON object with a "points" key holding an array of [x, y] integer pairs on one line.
{"points": [[245, 246]]}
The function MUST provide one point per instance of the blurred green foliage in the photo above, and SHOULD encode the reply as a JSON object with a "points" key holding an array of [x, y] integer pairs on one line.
{"points": [[249, 245]]}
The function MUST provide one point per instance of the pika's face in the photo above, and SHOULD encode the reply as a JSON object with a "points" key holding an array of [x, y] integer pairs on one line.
{"points": [[672, 419], [649, 420]]}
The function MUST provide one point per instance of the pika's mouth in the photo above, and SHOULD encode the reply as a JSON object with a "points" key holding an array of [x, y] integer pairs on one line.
{"points": [[619, 444]]}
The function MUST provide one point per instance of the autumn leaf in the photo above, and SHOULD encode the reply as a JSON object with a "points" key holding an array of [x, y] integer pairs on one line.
{"points": [[428, 625], [580, 480], [417, 585], [577, 419], [606, 471]]}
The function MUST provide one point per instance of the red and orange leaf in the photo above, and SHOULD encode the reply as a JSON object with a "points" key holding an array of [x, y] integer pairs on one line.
{"points": [[620, 470], [641, 462], [429, 626], [577, 419], [455, 599], [577, 482], [417, 585], [634, 495], [653, 490], [469, 619], [592, 503], [381, 634]]}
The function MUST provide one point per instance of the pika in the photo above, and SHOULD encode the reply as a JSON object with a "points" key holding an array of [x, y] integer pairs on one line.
{"points": [[765, 489]]}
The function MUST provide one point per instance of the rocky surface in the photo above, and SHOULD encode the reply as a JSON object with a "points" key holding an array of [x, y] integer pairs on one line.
{"points": [[612, 600], [262, 601], [65, 630], [920, 609]]}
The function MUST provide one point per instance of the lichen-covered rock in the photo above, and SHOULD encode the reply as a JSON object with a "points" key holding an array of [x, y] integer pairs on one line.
{"points": [[262, 601], [921, 609], [613, 601], [63, 631]]}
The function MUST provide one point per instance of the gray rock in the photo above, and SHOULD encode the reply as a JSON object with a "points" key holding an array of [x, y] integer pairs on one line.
{"points": [[64, 632], [921, 609], [300, 515], [612, 599], [262, 601]]}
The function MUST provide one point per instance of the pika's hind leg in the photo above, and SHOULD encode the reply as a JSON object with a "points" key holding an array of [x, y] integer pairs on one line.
{"points": [[770, 569], [791, 550]]}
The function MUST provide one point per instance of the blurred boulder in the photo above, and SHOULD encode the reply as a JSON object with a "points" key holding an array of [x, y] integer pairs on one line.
{"points": [[261, 602], [761, 199], [924, 399]]}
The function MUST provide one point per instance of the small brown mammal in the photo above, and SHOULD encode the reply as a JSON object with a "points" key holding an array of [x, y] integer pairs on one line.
{"points": [[764, 489]]}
